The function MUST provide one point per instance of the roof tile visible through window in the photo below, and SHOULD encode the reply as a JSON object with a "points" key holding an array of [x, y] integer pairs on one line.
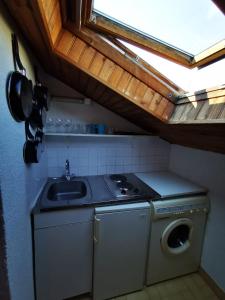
{"points": [[189, 25]]}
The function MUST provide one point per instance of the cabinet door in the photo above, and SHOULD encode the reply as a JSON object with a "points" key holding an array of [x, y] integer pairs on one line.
{"points": [[120, 252], [63, 261]]}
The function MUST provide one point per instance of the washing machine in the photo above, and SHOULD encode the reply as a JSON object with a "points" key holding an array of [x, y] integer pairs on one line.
{"points": [[176, 238]]}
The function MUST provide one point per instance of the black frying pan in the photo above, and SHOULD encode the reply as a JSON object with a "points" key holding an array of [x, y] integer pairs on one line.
{"points": [[19, 88], [31, 149], [39, 135], [40, 96], [38, 117]]}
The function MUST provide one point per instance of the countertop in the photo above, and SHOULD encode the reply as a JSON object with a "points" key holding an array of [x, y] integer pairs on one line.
{"points": [[169, 184], [166, 184], [98, 194]]}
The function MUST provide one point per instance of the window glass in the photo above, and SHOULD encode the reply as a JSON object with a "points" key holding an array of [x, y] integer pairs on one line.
{"points": [[191, 25]]}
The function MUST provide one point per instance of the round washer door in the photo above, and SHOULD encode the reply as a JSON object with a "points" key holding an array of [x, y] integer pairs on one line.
{"points": [[176, 238]]}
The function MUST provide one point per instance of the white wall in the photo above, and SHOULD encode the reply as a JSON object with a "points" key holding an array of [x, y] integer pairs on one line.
{"points": [[104, 155], [19, 183], [80, 113], [207, 169], [91, 156]]}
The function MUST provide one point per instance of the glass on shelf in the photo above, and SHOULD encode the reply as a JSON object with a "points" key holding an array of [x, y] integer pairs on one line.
{"points": [[59, 125], [68, 126], [91, 128], [76, 128], [50, 124], [79, 128]]}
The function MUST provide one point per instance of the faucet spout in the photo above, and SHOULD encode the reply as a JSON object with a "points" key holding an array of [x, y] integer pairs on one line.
{"points": [[67, 170]]}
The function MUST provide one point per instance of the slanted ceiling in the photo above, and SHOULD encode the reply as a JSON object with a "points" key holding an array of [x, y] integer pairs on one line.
{"points": [[102, 70]]}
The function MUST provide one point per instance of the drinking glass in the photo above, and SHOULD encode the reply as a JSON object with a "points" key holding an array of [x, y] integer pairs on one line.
{"points": [[68, 125], [59, 125], [50, 123]]}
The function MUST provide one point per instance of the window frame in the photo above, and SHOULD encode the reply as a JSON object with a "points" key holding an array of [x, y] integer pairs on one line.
{"points": [[101, 23]]}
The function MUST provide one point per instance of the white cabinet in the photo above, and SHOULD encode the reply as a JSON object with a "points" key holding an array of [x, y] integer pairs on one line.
{"points": [[120, 250], [63, 253]]}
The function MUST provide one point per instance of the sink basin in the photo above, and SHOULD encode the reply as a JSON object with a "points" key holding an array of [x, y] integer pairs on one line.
{"points": [[58, 192], [67, 190]]}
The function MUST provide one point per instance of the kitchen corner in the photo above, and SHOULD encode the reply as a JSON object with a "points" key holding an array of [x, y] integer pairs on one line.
{"points": [[115, 211]]}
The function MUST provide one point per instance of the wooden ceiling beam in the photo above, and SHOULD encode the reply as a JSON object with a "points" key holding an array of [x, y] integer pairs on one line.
{"points": [[72, 12], [120, 57], [124, 57], [87, 59], [78, 10], [209, 137], [142, 62], [87, 8]]}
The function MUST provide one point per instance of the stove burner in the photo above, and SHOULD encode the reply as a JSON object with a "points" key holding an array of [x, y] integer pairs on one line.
{"points": [[126, 186], [118, 178]]}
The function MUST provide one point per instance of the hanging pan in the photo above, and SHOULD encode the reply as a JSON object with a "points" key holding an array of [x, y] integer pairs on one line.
{"points": [[40, 104], [31, 149], [40, 93], [38, 117], [39, 135], [19, 88]]}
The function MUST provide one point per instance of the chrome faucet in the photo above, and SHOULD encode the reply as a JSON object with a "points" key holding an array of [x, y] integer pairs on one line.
{"points": [[67, 170]]}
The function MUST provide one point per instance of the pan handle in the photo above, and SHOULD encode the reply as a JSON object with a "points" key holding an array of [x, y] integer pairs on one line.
{"points": [[16, 56], [28, 134], [36, 75]]}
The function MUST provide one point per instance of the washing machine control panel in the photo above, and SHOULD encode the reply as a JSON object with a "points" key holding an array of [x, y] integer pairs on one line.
{"points": [[179, 207]]}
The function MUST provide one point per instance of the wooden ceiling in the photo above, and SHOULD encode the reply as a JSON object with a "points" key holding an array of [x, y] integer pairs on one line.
{"points": [[101, 69]]}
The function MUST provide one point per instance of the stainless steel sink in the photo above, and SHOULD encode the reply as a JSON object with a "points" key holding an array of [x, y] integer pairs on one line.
{"points": [[67, 190], [58, 192]]}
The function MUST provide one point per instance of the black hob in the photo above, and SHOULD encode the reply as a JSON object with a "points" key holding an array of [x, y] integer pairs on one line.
{"points": [[118, 178], [128, 186]]}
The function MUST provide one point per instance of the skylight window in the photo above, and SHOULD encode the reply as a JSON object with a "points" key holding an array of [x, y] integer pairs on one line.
{"points": [[190, 25], [190, 80]]}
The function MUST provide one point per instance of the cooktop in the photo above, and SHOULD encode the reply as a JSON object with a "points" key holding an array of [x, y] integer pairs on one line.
{"points": [[129, 186]]}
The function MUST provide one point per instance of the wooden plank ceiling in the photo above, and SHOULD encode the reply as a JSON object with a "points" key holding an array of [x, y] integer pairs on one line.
{"points": [[102, 70]]}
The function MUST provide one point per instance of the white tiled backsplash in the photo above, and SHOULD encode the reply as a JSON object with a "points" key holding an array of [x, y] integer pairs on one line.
{"points": [[92, 156]]}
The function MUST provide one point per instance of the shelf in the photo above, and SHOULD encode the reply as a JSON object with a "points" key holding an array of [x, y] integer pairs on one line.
{"points": [[93, 135]]}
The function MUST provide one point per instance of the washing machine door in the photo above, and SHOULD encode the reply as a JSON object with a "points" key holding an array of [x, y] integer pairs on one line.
{"points": [[176, 238]]}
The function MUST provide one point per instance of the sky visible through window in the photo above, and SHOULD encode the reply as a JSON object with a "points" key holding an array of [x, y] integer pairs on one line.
{"points": [[157, 16], [191, 25], [190, 80]]}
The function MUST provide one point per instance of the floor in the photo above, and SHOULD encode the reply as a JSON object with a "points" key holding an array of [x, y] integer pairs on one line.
{"points": [[189, 287]]}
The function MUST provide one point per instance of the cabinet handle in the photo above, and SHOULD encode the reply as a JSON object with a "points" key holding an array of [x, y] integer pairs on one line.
{"points": [[96, 229], [143, 215]]}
